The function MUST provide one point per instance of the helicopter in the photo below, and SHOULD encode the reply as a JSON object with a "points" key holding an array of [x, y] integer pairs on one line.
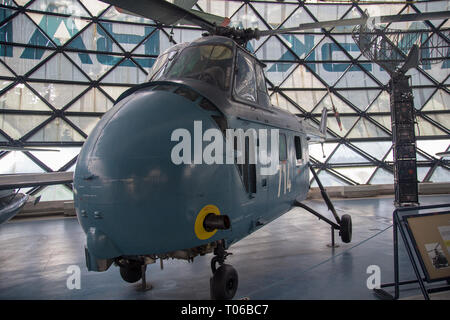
{"points": [[439, 260], [144, 189]]}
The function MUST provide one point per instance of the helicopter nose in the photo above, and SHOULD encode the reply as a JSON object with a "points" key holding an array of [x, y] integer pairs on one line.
{"points": [[128, 192]]}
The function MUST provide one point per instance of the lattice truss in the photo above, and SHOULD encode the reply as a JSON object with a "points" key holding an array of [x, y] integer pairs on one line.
{"points": [[64, 62]]}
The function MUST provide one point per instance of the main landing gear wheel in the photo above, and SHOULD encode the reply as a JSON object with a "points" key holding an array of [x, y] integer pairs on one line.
{"points": [[131, 274], [346, 228], [224, 283]]}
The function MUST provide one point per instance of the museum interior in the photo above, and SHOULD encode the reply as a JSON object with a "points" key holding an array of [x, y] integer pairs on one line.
{"points": [[93, 205]]}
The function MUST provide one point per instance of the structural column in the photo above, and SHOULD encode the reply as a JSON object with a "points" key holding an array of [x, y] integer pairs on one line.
{"points": [[403, 141]]}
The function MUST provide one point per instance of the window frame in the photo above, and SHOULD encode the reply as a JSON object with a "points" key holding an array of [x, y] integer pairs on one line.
{"points": [[235, 96]]}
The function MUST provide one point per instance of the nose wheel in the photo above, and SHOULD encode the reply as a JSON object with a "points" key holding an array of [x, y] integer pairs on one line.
{"points": [[131, 273], [224, 282]]}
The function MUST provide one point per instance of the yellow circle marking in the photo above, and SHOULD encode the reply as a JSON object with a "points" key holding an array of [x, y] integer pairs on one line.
{"points": [[200, 231]]}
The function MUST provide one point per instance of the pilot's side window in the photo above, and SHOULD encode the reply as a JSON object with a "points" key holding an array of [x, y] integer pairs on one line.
{"points": [[283, 147], [263, 96], [161, 65], [245, 81]]}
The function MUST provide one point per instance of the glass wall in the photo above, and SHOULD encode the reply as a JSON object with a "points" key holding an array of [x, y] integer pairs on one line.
{"points": [[64, 62]]}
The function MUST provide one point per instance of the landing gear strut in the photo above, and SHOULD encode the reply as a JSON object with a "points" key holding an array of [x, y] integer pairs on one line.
{"points": [[224, 282], [343, 224]]}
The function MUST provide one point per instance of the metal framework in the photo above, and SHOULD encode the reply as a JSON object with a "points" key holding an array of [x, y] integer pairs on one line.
{"points": [[389, 47], [305, 71]]}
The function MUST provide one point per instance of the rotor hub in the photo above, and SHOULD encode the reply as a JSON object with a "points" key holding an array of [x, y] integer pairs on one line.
{"points": [[240, 36]]}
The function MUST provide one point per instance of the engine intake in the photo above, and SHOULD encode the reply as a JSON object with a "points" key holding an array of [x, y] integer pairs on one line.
{"points": [[213, 221]]}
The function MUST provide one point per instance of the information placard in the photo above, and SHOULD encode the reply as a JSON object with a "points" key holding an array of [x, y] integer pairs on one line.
{"points": [[430, 234]]}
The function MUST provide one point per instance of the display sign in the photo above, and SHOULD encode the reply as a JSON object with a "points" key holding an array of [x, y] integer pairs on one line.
{"points": [[430, 234]]}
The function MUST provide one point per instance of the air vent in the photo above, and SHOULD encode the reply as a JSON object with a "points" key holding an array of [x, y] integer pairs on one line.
{"points": [[219, 118], [187, 93], [164, 87], [221, 122], [207, 105]]}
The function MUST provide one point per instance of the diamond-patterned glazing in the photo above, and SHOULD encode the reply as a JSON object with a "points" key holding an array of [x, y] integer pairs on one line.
{"points": [[63, 63]]}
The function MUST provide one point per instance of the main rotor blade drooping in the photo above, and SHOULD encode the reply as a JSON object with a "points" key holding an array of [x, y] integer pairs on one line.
{"points": [[161, 11], [15, 148], [167, 13]]}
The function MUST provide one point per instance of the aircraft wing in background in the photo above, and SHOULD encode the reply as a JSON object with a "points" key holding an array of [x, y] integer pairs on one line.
{"points": [[11, 202], [25, 180]]}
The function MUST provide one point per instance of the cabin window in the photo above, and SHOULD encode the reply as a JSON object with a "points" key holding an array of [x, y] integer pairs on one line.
{"points": [[208, 63], [283, 147], [247, 170], [298, 147], [245, 81], [250, 175]]}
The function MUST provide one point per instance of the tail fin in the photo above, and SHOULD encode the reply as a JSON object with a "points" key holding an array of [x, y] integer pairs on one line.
{"points": [[314, 134], [323, 122]]}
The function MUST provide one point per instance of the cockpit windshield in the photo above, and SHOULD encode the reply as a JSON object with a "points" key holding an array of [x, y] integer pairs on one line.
{"points": [[209, 63]]}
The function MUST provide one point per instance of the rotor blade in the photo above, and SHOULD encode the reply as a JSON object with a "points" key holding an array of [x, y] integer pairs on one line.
{"points": [[161, 11], [443, 154], [212, 18], [185, 4], [363, 20], [218, 20], [6, 148]]}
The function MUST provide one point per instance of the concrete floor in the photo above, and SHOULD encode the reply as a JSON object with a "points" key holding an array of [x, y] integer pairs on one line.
{"points": [[287, 259]]}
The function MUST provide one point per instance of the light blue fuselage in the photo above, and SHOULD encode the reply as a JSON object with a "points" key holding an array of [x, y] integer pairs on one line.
{"points": [[131, 199]]}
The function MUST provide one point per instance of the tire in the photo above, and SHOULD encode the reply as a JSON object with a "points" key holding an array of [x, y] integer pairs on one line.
{"points": [[224, 283], [131, 274], [346, 228]]}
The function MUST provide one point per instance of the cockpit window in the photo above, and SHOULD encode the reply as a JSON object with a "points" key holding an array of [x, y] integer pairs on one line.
{"points": [[161, 65], [260, 79], [263, 97], [209, 63], [245, 81]]}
